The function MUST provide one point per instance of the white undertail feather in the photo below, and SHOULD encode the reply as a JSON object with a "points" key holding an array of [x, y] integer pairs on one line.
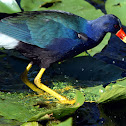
{"points": [[8, 42]]}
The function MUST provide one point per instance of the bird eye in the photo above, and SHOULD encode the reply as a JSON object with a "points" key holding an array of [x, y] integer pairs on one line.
{"points": [[116, 26]]}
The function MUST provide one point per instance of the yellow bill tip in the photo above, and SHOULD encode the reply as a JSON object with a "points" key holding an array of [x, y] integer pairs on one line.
{"points": [[124, 39]]}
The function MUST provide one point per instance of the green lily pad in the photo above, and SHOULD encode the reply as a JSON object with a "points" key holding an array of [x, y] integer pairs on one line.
{"points": [[35, 5], [9, 122], [80, 7], [9, 6], [20, 108], [100, 47], [30, 124], [112, 93], [117, 8], [67, 122], [60, 112], [12, 109], [115, 91]]}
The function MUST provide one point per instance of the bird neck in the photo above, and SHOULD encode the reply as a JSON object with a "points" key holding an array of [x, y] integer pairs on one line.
{"points": [[95, 30]]}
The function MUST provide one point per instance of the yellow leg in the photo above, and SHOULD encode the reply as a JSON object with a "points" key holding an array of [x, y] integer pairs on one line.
{"points": [[24, 78], [37, 81]]}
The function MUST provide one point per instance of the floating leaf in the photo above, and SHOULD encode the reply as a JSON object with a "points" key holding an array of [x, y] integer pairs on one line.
{"points": [[61, 112], [116, 92], [9, 122], [67, 122], [117, 8], [20, 108], [14, 111], [80, 7], [30, 124], [100, 47], [35, 5], [9, 6]]}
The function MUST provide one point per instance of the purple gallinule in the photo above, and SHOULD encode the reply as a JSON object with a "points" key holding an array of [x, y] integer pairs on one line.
{"points": [[46, 37]]}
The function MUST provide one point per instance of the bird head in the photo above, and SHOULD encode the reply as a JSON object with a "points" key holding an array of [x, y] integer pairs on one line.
{"points": [[112, 24]]}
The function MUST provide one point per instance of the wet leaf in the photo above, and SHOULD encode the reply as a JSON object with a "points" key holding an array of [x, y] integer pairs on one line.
{"points": [[67, 122], [115, 92], [80, 7], [100, 47], [14, 111], [30, 124], [9, 6], [61, 112], [117, 8], [35, 5], [22, 109]]}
